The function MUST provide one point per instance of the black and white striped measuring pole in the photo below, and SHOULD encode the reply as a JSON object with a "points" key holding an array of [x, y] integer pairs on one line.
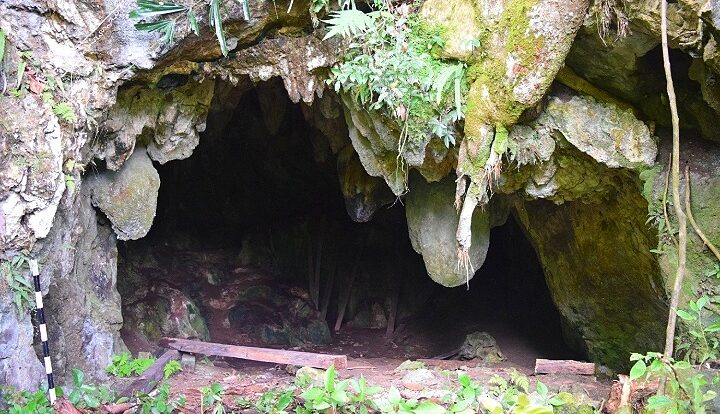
{"points": [[43, 329]]}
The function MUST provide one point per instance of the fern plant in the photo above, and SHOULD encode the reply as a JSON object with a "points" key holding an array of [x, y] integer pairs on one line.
{"points": [[390, 67], [15, 275]]}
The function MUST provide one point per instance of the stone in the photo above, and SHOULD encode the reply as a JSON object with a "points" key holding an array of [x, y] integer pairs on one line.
{"points": [[128, 197], [482, 346], [419, 379], [363, 194], [432, 223], [19, 366]]}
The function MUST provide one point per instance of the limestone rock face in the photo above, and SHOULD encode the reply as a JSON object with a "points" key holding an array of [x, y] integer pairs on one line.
{"points": [[83, 317], [432, 222], [169, 121], [128, 197], [576, 149], [586, 249], [19, 366], [703, 161]]}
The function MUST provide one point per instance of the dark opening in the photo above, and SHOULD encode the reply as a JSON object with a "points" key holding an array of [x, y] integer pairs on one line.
{"points": [[257, 208]]}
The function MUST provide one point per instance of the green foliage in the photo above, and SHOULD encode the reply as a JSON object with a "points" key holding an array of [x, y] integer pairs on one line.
{"points": [[211, 400], [686, 390], [390, 67], [124, 365], [151, 9], [271, 401], [338, 396], [14, 273], [171, 368], [160, 402], [88, 396], [25, 402], [701, 342]]}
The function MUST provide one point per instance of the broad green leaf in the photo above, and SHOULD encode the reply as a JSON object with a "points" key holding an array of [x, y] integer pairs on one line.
{"points": [[685, 315], [464, 379], [312, 394], [330, 379], [702, 302], [78, 377], [638, 370], [542, 389], [429, 407], [709, 395], [657, 402]]}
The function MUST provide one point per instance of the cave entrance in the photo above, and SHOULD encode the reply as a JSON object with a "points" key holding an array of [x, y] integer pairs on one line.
{"points": [[252, 245]]}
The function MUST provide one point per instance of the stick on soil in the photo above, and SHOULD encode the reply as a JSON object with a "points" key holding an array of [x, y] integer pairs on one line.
{"points": [[277, 356]]}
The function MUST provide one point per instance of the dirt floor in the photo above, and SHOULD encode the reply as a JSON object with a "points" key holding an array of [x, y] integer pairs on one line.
{"points": [[250, 380]]}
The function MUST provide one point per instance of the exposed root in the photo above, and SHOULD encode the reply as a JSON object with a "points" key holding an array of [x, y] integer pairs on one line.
{"points": [[464, 236], [690, 217], [460, 189], [609, 11]]}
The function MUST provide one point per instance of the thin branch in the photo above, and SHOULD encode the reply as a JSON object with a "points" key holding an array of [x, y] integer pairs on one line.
{"points": [[679, 213], [690, 217]]}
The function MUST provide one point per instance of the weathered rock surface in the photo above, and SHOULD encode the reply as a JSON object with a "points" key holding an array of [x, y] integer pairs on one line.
{"points": [[128, 197], [703, 161], [575, 149], [82, 302], [19, 366], [586, 250], [432, 221]]}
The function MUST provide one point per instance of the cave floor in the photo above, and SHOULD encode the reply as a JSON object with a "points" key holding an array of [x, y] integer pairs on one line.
{"points": [[249, 380]]}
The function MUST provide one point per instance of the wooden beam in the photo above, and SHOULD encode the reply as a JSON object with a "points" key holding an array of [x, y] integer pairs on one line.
{"points": [[150, 378], [550, 366], [278, 356]]}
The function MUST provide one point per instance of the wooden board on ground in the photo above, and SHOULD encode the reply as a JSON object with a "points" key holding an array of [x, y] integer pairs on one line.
{"points": [[278, 356], [557, 366], [150, 378]]}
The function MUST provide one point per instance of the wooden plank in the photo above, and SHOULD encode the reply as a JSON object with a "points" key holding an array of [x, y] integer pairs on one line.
{"points": [[558, 366], [150, 378], [278, 356]]}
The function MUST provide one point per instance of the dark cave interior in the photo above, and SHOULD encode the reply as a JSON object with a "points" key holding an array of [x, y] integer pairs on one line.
{"points": [[252, 236]]}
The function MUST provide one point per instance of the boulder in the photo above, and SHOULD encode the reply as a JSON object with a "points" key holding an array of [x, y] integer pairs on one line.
{"points": [[128, 197]]}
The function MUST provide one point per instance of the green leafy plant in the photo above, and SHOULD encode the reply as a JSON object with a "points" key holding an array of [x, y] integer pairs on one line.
{"points": [[271, 401], [150, 8], [701, 342], [686, 390], [714, 272], [25, 402], [124, 365], [14, 272], [171, 368], [212, 399], [160, 402], [391, 67], [88, 396]]}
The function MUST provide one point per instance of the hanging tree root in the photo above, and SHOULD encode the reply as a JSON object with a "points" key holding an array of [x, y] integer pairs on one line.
{"points": [[690, 217], [464, 236], [679, 213]]}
